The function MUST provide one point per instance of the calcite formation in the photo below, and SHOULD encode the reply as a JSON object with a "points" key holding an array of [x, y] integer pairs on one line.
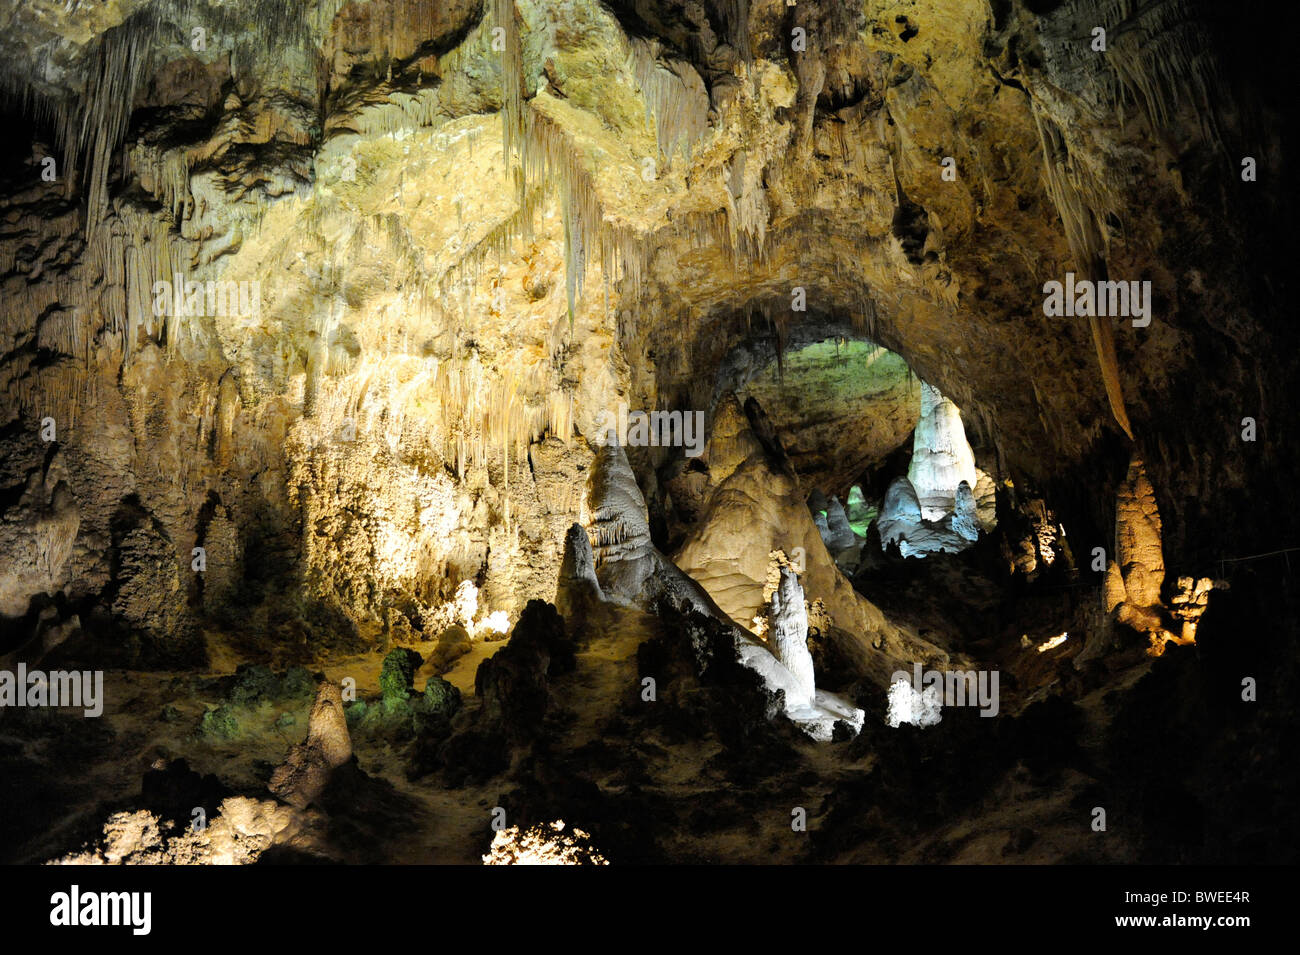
{"points": [[578, 588], [314, 309], [1134, 576], [788, 636], [941, 457], [306, 771]]}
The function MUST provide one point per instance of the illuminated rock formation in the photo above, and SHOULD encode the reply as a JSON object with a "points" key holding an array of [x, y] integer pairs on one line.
{"points": [[906, 704], [543, 844], [941, 458], [901, 523], [306, 771], [758, 508], [619, 529], [1135, 575], [788, 636], [239, 834], [337, 298]]}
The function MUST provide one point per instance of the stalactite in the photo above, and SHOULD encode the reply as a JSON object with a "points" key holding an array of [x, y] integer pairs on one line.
{"points": [[93, 127], [552, 158], [735, 16], [1082, 203], [396, 113], [1159, 54], [677, 102], [512, 83]]}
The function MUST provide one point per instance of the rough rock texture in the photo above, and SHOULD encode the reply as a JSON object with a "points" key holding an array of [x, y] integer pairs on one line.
{"points": [[578, 588], [965, 520], [986, 507], [239, 835], [543, 844], [307, 769], [1138, 547]]}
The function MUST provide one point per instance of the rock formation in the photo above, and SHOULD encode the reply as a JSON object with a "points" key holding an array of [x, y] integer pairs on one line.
{"points": [[578, 588], [965, 519], [619, 529], [941, 458], [758, 508], [1134, 576], [313, 310], [788, 636], [307, 769], [544, 844], [839, 535]]}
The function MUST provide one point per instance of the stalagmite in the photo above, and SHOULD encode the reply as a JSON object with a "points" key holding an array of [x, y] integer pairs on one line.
{"points": [[307, 769], [1138, 548], [578, 588], [788, 635], [1135, 577], [900, 511], [964, 520], [619, 528], [839, 535], [941, 458]]}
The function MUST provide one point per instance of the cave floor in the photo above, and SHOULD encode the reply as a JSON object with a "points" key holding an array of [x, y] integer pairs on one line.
{"points": [[679, 796]]}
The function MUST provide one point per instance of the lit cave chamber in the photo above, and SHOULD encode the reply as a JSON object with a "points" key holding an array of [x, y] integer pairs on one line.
{"points": [[603, 432]]}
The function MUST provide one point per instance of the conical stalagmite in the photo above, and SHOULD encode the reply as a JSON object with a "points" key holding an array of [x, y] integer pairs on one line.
{"points": [[306, 771]]}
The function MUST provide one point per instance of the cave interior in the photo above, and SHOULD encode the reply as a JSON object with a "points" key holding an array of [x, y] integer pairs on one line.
{"points": [[645, 431]]}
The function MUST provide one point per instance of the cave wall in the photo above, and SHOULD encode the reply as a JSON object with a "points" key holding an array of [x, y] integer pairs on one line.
{"points": [[465, 253]]}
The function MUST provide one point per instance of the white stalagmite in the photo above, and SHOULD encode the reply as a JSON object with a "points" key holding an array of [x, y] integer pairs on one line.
{"points": [[788, 618], [941, 457], [909, 705], [619, 527], [900, 511]]}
